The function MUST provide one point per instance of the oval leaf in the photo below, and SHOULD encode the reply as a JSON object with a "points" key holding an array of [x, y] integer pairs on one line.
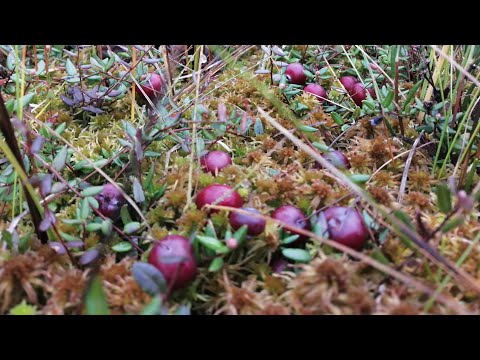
{"points": [[298, 255], [149, 278]]}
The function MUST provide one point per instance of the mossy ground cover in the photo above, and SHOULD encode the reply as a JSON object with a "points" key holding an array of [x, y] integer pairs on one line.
{"points": [[81, 120]]}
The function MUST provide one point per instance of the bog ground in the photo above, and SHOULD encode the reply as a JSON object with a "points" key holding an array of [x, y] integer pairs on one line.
{"points": [[269, 179]]}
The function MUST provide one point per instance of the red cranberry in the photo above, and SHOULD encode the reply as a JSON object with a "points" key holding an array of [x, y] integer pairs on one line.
{"points": [[316, 90], [292, 216], [173, 256], [215, 161], [213, 192], [337, 158], [295, 74], [345, 225], [110, 201], [359, 93], [154, 86], [255, 225], [348, 82]]}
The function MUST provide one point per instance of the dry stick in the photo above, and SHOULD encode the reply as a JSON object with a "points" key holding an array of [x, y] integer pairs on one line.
{"points": [[429, 252], [447, 300], [97, 169], [403, 183]]}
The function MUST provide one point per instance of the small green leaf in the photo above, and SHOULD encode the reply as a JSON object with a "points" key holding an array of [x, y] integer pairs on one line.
{"points": [[298, 255], [289, 239], [58, 162], [68, 237], [359, 178], [258, 127], [123, 246], [138, 193], [241, 234], [378, 255], [154, 307], [92, 190], [307, 129], [444, 199], [216, 264], [411, 94], [95, 301], [388, 99], [84, 208], [71, 69], [453, 223], [150, 153], [399, 214], [337, 118], [27, 99], [106, 227], [211, 243], [131, 227], [91, 227]]}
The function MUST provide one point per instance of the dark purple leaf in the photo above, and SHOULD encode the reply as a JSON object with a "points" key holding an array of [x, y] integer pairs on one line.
{"points": [[114, 93], [37, 145], [46, 185], [46, 223], [92, 109], [74, 244], [149, 278], [58, 247], [151, 60], [89, 256], [67, 100], [77, 94]]}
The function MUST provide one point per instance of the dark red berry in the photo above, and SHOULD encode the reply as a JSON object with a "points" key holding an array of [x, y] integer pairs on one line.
{"points": [[215, 161], [316, 90], [255, 225], [345, 225], [153, 86], [336, 158], [359, 93], [295, 74], [173, 256], [110, 201], [348, 82], [292, 216], [213, 192]]}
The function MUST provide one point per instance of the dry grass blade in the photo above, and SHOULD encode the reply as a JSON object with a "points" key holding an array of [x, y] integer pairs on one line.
{"points": [[403, 184]]}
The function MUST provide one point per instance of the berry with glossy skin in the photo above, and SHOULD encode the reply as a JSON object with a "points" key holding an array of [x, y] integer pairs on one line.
{"points": [[359, 93], [213, 192], [295, 74], [292, 216], [345, 225], [336, 158], [153, 86], [316, 90], [110, 201], [255, 225], [348, 82], [173, 256], [215, 161]]}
